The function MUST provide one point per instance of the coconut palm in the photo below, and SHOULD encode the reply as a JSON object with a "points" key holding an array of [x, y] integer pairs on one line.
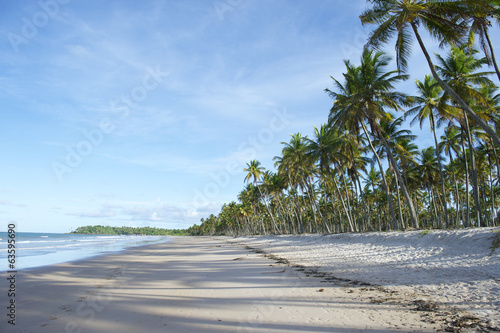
{"points": [[365, 96], [477, 14], [256, 172], [431, 106], [397, 139], [296, 165], [429, 172], [450, 142], [460, 70], [403, 17], [325, 150]]}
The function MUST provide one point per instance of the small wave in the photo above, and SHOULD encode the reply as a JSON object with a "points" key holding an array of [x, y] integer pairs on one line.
{"points": [[44, 236], [44, 241]]}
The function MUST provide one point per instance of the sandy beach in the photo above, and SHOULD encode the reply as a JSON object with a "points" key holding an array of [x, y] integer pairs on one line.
{"points": [[217, 284]]}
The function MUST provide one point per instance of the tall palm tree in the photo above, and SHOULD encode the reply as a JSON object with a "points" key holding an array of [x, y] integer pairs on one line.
{"points": [[429, 172], [256, 172], [367, 92], [431, 106], [296, 165], [325, 150], [460, 70], [450, 142], [403, 17], [396, 138]]}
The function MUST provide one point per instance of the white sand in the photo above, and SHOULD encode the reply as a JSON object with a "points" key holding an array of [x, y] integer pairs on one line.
{"points": [[455, 267], [214, 284]]}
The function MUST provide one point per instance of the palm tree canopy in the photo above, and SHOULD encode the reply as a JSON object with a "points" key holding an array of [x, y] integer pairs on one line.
{"points": [[460, 70], [367, 92], [254, 170], [401, 16]]}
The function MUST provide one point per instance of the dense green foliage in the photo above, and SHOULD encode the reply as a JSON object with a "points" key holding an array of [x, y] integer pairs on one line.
{"points": [[107, 230], [361, 171]]}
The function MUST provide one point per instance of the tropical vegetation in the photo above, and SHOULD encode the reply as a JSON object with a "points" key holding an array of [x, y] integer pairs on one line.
{"points": [[107, 230], [362, 170]]}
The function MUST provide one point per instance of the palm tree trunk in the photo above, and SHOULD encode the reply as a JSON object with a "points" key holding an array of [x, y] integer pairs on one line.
{"points": [[354, 223], [267, 208], [492, 194], [467, 200], [457, 194], [475, 184], [399, 204], [313, 204], [409, 202], [493, 60], [440, 166], [463, 105], [346, 210], [384, 181], [433, 203]]}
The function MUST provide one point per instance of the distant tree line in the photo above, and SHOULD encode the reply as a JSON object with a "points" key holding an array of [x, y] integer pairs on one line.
{"points": [[107, 230]]}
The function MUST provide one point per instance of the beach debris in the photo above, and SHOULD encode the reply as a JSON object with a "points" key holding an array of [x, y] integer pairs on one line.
{"points": [[424, 305], [321, 290], [462, 323]]}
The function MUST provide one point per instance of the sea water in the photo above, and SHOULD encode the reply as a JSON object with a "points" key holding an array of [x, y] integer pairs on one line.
{"points": [[40, 249]]}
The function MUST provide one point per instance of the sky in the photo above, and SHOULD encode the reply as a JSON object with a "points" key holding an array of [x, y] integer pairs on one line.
{"points": [[145, 113]]}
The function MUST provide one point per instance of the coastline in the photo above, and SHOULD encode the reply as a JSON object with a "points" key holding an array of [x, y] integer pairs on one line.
{"points": [[201, 284], [43, 249]]}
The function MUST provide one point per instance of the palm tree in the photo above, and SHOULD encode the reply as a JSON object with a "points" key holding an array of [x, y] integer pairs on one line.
{"points": [[325, 150], [429, 172], [296, 165], [256, 172], [476, 14], [397, 139], [367, 92], [450, 142], [404, 17], [431, 106], [459, 69], [373, 180]]}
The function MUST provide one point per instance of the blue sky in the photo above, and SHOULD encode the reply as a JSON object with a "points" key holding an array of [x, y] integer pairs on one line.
{"points": [[145, 112]]}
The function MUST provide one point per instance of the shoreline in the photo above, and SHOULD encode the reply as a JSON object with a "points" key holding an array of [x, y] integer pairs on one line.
{"points": [[29, 260], [202, 284], [192, 284]]}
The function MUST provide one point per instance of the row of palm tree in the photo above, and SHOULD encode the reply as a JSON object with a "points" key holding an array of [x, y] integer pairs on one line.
{"points": [[362, 170]]}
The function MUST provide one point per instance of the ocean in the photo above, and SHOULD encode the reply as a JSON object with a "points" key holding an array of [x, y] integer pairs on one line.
{"points": [[41, 249]]}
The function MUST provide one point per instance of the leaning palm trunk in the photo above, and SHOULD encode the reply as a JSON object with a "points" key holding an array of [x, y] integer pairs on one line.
{"points": [[267, 208], [349, 220], [384, 181], [409, 202], [492, 53], [463, 105], [313, 205], [354, 223]]}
